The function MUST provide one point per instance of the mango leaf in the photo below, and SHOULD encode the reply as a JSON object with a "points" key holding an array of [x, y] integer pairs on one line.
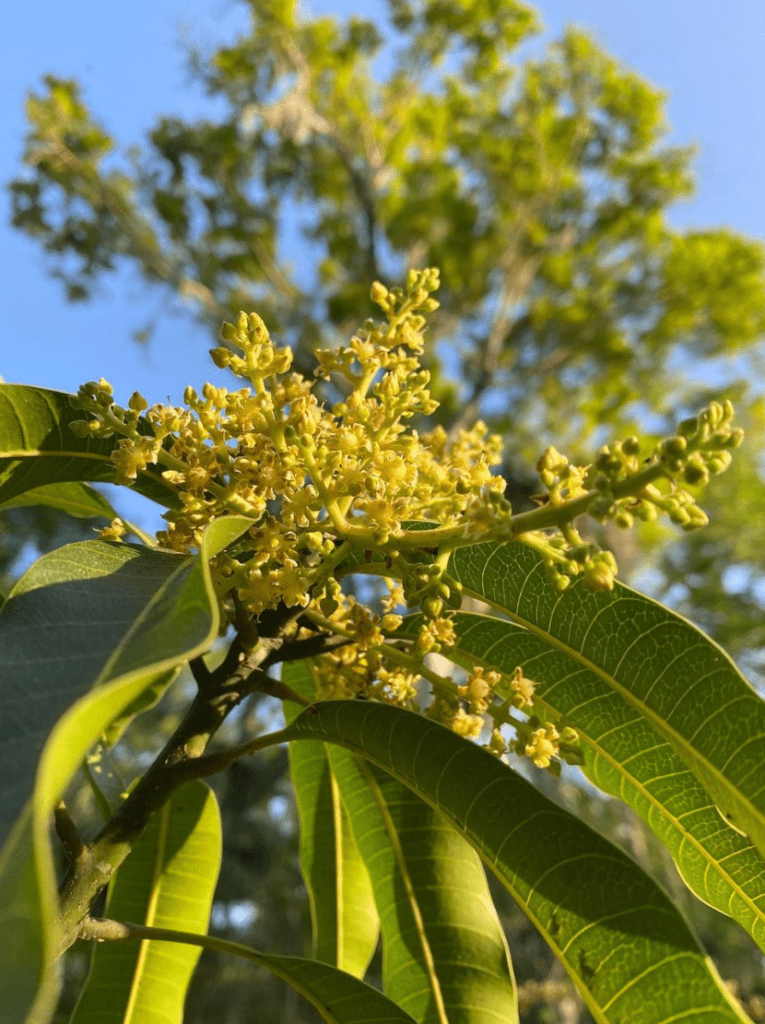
{"points": [[37, 447], [626, 947], [678, 679], [76, 499], [84, 632], [167, 881], [627, 758], [437, 951], [338, 997], [444, 953], [345, 925]]}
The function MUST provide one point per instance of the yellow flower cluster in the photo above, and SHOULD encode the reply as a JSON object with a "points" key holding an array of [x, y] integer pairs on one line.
{"points": [[309, 476], [351, 486]]}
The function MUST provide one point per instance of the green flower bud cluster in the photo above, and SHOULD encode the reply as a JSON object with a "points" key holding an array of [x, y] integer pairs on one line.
{"points": [[429, 585], [137, 448], [622, 485], [701, 448], [419, 285]]}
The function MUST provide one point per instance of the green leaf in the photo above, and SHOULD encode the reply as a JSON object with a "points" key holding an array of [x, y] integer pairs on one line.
{"points": [[37, 447], [444, 953], [76, 499], [678, 679], [84, 632], [167, 881], [345, 925], [338, 997], [437, 951], [626, 757], [626, 947]]}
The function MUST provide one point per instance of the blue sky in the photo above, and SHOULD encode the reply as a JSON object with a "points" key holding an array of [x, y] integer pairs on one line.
{"points": [[708, 57]]}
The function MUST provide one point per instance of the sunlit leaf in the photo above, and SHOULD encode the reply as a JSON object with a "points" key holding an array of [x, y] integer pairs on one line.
{"points": [[444, 954], [167, 881], [74, 498], [626, 757], [84, 632], [624, 944], [339, 998], [679, 680], [345, 924], [37, 448]]}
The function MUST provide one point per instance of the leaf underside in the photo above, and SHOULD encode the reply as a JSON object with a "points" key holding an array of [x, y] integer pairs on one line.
{"points": [[624, 944], [167, 881], [627, 758], [679, 680], [85, 632], [345, 925]]}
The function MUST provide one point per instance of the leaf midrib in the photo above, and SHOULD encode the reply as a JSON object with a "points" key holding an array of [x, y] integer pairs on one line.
{"points": [[151, 910], [53, 453], [337, 826], [403, 868]]}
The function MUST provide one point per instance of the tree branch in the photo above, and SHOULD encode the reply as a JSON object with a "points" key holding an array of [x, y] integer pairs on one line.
{"points": [[241, 673]]}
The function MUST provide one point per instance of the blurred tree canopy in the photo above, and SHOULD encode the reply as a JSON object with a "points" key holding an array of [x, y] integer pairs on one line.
{"points": [[571, 310]]}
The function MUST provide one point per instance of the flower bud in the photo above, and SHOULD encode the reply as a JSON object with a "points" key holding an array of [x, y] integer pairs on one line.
{"points": [[431, 607], [599, 577], [228, 332], [645, 511], [696, 518], [688, 428], [83, 428], [624, 519], [695, 472], [221, 357], [672, 448], [719, 461], [378, 293]]}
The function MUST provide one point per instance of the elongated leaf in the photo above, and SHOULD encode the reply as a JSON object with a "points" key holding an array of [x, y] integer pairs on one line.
{"points": [[626, 947], [37, 448], [345, 925], [85, 631], [75, 499], [167, 881], [444, 954], [626, 757], [437, 951], [338, 997], [686, 686]]}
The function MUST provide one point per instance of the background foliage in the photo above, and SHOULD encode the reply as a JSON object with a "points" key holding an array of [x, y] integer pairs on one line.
{"points": [[571, 310]]}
